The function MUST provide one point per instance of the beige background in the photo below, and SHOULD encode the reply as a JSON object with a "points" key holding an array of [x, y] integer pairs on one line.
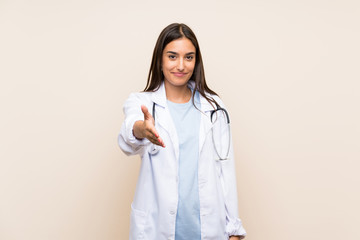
{"points": [[287, 70]]}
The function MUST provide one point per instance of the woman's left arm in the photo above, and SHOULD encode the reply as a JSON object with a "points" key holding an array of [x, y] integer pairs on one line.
{"points": [[234, 226]]}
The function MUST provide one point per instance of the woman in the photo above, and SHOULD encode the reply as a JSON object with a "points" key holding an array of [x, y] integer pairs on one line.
{"points": [[182, 191]]}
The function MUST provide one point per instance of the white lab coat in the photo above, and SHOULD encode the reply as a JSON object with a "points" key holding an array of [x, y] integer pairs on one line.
{"points": [[154, 207]]}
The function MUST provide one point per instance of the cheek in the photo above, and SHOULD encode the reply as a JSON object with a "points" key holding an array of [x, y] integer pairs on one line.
{"points": [[168, 65], [191, 66]]}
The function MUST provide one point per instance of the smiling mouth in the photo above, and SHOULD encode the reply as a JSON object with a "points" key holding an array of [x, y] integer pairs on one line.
{"points": [[179, 74]]}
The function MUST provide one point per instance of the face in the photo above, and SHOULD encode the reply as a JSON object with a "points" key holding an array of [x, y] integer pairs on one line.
{"points": [[178, 62]]}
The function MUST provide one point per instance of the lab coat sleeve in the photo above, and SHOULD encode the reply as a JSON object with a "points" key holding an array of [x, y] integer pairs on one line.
{"points": [[126, 139], [234, 225]]}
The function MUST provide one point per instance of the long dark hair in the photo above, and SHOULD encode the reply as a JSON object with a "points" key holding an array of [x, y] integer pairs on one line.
{"points": [[170, 33]]}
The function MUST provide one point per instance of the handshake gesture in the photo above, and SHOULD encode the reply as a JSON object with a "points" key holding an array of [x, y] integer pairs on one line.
{"points": [[146, 128]]}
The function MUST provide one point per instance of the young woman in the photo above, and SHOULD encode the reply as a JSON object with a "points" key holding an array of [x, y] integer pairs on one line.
{"points": [[183, 192]]}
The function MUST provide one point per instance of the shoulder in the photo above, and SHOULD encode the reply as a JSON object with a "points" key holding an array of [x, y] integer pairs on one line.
{"points": [[139, 96], [136, 99]]}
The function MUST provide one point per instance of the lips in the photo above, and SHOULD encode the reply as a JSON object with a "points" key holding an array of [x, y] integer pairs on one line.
{"points": [[179, 74]]}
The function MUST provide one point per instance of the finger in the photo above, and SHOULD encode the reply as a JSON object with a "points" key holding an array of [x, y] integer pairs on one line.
{"points": [[156, 134], [161, 142], [151, 129], [156, 140], [146, 113], [158, 143], [151, 135]]}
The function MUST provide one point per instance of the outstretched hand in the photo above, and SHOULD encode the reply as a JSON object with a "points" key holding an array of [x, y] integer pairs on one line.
{"points": [[146, 128]]}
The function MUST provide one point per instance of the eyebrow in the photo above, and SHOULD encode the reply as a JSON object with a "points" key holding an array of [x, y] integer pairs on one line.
{"points": [[171, 52]]}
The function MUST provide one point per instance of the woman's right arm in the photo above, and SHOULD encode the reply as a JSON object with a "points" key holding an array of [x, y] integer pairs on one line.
{"points": [[137, 130]]}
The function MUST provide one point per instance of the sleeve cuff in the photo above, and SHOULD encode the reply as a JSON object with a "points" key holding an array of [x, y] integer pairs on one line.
{"points": [[235, 228]]}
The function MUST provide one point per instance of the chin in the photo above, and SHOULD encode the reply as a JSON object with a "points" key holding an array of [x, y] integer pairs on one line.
{"points": [[177, 82]]}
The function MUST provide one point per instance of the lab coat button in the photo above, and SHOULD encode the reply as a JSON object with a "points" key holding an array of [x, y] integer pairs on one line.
{"points": [[172, 212]]}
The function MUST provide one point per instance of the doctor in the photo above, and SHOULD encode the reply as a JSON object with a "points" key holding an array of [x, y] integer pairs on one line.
{"points": [[182, 192]]}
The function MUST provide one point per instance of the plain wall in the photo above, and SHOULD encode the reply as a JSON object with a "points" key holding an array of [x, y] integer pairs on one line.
{"points": [[288, 72]]}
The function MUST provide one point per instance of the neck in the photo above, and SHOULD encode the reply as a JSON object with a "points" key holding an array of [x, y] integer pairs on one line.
{"points": [[177, 94]]}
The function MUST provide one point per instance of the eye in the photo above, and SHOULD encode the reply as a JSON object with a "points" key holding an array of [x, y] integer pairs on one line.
{"points": [[172, 57], [189, 57]]}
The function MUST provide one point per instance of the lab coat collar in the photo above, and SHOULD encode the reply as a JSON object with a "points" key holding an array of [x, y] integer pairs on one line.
{"points": [[159, 97]]}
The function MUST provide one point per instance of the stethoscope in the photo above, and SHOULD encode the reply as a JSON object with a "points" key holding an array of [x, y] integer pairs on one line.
{"points": [[154, 149]]}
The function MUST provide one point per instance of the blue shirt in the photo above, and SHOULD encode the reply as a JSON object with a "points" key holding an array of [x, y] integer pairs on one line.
{"points": [[187, 122]]}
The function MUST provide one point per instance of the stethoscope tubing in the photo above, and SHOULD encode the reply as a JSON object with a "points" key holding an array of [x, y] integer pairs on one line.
{"points": [[155, 149]]}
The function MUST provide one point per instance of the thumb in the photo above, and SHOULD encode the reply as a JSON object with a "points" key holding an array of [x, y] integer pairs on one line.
{"points": [[146, 113]]}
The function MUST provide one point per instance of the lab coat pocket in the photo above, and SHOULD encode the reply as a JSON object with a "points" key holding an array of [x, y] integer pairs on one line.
{"points": [[137, 224]]}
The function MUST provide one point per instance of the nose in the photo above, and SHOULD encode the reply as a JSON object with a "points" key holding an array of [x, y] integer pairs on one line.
{"points": [[180, 66]]}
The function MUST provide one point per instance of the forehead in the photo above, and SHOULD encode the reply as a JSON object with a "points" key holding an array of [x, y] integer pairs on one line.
{"points": [[182, 45]]}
